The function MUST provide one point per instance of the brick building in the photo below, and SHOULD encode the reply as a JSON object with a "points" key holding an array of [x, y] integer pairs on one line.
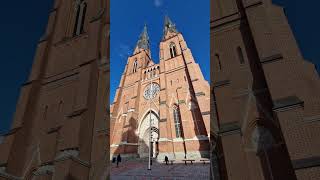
{"points": [[59, 128], [173, 94], [265, 96]]}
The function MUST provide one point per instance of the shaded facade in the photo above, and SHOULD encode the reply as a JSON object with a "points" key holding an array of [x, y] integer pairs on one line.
{"points": [[265, 96], [59, 129], [169, 100]]}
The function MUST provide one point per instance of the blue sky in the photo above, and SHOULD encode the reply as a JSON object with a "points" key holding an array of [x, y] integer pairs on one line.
{"points": [[128, 18], [23, 23]]}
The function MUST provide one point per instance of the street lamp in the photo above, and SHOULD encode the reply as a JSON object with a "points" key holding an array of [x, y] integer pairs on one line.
{"points": [[149, 164], [150, 91]]}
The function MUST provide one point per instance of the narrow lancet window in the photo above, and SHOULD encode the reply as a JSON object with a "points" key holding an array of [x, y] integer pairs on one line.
{"points": [[173, 52], [217, 57], [177, 121], [81, 8], [135, 66]]}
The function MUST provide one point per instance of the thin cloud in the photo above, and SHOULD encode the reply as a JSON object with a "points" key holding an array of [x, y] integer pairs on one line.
{"points": [[123, 51], [158, 3]]}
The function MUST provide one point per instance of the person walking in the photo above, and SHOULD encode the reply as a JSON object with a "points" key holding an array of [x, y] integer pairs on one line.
{"points": [[166, 159], [118, 159]]}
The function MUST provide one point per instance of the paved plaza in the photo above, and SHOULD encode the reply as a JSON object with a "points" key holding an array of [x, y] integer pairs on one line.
{"points": [[135, 170]]}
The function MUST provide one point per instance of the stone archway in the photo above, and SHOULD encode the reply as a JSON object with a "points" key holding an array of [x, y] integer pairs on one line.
{"points": [[144, 135]]}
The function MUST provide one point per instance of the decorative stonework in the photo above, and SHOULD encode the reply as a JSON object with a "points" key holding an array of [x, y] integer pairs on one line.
{"points": [[44, 170], [261, 139], [67, 154]]}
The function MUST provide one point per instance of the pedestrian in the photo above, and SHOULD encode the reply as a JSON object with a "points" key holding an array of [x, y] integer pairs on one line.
{"points": [[166, 159], [113, 159], [118, 159]]}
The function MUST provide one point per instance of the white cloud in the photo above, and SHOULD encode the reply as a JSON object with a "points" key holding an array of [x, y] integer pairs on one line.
{"points": [[158, 3]]}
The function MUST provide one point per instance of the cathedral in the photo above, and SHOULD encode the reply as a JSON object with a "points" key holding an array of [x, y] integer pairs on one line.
{"points": [[265, 96], [162, 109]]}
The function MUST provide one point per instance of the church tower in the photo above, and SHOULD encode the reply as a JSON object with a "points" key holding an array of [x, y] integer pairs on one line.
{"points": [[265, 96], [169, 101], [60, 128]]}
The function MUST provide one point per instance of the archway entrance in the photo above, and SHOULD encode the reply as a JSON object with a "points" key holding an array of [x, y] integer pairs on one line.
{"points": [[144, 135]]}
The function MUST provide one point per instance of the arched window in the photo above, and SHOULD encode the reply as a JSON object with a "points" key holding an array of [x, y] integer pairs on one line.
{"points": [[217, 57], [154, 72], [173, 51], [240, 55], [81, 9], [177, 121], [135, 66]]}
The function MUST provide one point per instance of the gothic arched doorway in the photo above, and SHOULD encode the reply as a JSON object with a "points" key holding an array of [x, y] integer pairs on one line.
{"points": [[144, 135]]}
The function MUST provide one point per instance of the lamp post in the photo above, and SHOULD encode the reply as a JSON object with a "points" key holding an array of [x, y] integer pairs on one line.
{"points": [[151, 93], [149, 163]]}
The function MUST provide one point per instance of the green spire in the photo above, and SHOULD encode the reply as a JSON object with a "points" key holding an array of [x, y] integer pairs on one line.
{"points": [[143, 42], [168, 26]]}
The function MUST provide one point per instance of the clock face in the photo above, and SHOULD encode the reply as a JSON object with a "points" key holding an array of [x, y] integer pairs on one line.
{"points": [[151, 91]]}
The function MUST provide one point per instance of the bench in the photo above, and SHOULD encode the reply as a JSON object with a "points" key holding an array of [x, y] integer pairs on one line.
{"points": [[205, 160], [190, 160], [170, 161]]}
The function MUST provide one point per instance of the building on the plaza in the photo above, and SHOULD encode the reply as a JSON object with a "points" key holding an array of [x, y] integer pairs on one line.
{"points": [[169, 102], [59, 128], [265, 96]]}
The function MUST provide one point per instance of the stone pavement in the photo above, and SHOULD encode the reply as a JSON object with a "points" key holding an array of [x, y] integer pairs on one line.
{"points": [[135, 170]]}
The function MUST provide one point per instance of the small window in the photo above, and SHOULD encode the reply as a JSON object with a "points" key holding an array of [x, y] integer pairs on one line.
{"points": [[135, 66], [154, 72], [173, 52], [45, 113]]}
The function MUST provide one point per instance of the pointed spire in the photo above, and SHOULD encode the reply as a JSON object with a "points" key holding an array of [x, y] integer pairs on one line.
{"points": [[143, 42], [168, 26]]}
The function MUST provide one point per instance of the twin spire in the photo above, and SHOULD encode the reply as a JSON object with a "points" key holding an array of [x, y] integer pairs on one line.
{"points": [[168, 27], [143, 42]]}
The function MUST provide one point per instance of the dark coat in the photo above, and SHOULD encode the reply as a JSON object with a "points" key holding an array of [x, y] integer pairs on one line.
{"points": [[166, 158], [119, 158]]}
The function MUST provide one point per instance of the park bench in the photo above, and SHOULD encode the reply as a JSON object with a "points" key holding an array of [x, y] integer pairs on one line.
{"points": [[205, 160], [190, 160], [170, 161]]}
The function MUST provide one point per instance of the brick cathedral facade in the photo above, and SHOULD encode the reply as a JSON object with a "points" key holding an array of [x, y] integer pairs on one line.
{"points": [[59, 129], [169, 101], [265, 96]]}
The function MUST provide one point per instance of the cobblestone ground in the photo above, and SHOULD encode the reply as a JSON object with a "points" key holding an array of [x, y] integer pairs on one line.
{"points": [[138, 171]]}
